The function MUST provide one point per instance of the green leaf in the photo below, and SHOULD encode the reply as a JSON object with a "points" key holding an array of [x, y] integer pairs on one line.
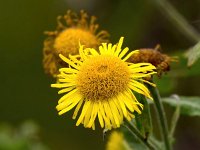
{"points": [[193, 54], [189, 106]]}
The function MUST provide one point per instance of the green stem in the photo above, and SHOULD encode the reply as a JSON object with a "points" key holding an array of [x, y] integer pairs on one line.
{"points": [[178, 20], [156, 143], [162, 116], [137, 133], [175, 117], [149, 115]]}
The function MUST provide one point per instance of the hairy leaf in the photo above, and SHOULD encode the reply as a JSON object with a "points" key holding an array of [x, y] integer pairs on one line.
{"points": [[189, 105], [193, 54]]}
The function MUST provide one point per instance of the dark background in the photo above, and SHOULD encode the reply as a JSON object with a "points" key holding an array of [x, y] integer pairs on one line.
{"points": [[25, 92]]}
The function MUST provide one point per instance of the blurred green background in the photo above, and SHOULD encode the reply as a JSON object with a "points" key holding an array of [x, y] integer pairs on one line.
{"points": [[25, 89]]}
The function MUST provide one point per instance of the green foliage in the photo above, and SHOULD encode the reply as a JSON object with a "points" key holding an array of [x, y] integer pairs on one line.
{"points": [[23, 138], [133, 141], [189, 106], [143, 121], [179, 70], [166, 80], [193, 54], [136, 144]]}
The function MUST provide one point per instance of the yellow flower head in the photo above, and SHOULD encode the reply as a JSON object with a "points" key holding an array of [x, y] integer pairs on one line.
{"points": [[117, 141], [102, 84], [71, 30]]}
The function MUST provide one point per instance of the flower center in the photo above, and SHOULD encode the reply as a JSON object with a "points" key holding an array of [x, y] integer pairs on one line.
{"points": [[67, 41], [102, 77]]}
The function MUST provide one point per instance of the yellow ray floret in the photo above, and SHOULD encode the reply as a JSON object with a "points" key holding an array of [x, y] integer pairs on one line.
{"points": [[101, 84]]}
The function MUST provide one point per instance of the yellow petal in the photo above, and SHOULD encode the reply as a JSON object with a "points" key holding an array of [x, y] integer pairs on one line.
{"points": [[152, 84], [94, 114], [68, 70], [124, 51], [94, 52], [119, 45], [107, 121], [132, 87], [73, 92], [108, 113], [130, 54], [77, 109], [122, 106], [114, 113], [72, 101], [141, 75], [143, 69], [140, 86], [85, 107], [66, 90], [138, 65], [68, 61], [101, 122], [88, 114], [62, 85]]}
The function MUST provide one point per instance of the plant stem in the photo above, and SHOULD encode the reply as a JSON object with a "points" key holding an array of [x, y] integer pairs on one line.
{"points": [[155, 142], [178, 20], [137, 133], [149, 115], [162, 117], [175, 117]]}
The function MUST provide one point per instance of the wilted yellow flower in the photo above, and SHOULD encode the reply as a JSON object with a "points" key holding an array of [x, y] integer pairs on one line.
{"points": [[71, 30], [155, 57], [103, 82], [117, 141]]}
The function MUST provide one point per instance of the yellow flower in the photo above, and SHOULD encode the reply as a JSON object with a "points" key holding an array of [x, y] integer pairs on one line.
{"points": [[71, 29], [103, 83], [117, 141]]}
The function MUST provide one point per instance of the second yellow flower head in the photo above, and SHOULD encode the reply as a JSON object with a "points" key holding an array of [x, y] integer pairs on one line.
{"points": [[101, 84]]}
